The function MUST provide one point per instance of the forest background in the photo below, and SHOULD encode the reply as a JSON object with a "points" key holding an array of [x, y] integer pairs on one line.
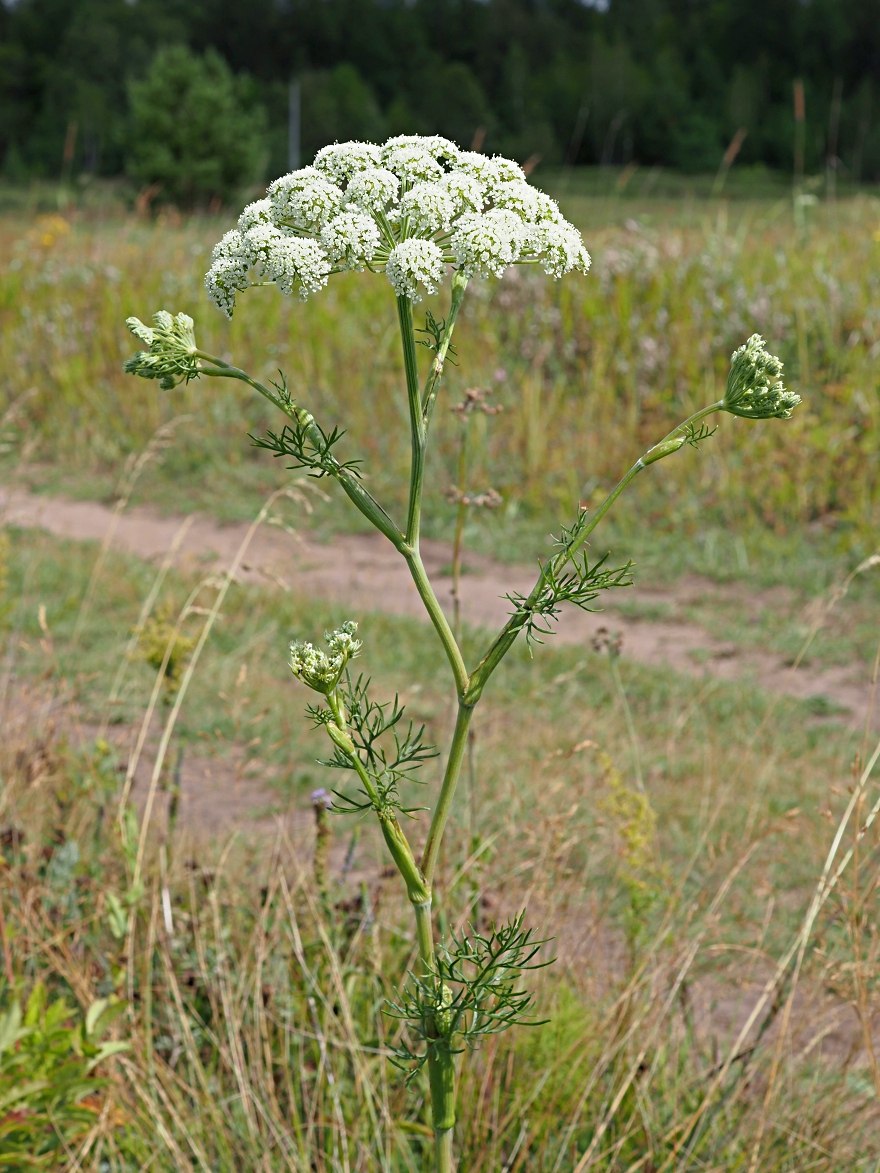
{"points": [[666, 82]]}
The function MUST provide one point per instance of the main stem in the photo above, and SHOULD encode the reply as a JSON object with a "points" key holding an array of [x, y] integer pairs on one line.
{"points": [[459, 530], [441, 1058]]}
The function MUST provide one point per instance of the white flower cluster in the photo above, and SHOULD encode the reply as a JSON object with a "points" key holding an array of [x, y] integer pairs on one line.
{"points": [[410, 209], [321, 670]]}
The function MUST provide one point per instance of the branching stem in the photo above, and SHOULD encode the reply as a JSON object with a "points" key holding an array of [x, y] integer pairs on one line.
{"points": [[352, 487]]}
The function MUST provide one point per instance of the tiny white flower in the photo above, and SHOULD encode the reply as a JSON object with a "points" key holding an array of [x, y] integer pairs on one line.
{"points": [[350, 239], [415, 262], [373, 190], [343, 160], [296, 263], [412, 164], [466, 192], [304, 199], [428, 208], [436, 145], [560, 248], [487, 243], [225, 278], [258, 212], [526, 201]]}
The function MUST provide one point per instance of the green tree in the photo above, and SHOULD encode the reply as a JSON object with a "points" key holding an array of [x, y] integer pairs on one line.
{"points": [[337, 104], [194, 130]]}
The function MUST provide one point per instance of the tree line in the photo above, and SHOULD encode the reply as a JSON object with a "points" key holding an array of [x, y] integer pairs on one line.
{"points": [[669, 82]]}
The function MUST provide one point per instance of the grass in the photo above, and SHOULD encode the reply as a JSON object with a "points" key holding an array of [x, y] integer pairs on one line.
{"points": [[266, 982], [252, 989]]}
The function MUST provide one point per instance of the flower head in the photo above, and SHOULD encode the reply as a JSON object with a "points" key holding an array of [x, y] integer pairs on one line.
{"points": [[171, 357], [304, 199], [341, 161], [373, 189], [559, 247], [350, 239], [258, 212], [411, 209], [488, 242], [754, 384], [428, 208], [415, 262], [322, 670]]}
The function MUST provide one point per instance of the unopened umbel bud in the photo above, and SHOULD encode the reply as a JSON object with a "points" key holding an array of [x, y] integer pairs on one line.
{"points": [[172, 355], [754, 385]]}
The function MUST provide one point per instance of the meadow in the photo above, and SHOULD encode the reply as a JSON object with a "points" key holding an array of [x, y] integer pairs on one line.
{"points": [[716, 936]]}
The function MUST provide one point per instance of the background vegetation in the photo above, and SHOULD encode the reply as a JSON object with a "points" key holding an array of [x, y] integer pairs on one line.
{"points": [[657, 81]]}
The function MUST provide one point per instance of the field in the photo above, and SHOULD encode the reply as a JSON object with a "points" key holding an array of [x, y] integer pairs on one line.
{"points": [[695, 829]]}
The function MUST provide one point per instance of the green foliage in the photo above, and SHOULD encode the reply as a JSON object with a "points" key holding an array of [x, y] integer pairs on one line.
{"points": [[49, 1094], [471, 991], [194, 132], [658, 82], [337, 105]]}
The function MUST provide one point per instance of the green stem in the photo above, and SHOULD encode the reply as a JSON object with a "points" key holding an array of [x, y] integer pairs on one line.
{"points": [[410, 550], [443, 1147], [416, 423], [425, 936], [352, 487], [447, 790], [438, 618], [441, 1058], [459, 532], [429, 398]]}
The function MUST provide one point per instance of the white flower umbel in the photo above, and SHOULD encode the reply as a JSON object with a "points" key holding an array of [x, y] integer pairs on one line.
{"points": [[342, 161], [428, 208], [373, 190], [304, 199], [350, 239], [488, 242], [256, 213], [413, 208], [415, 262]]}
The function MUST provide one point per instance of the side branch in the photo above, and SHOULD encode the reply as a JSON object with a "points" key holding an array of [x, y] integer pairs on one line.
{"points": [[581, 583], [307, 443]]}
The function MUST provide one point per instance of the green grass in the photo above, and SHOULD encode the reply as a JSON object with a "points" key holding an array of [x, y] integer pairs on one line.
{"points": [[720, 773]]}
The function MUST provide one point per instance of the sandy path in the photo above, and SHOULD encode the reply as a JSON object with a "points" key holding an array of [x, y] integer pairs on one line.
{"points": [[364, 572]]}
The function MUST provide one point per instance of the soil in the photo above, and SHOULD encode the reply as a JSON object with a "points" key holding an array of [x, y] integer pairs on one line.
{"points": [[364, 572]]}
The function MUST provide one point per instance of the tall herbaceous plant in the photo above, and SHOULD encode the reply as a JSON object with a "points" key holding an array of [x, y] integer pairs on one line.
{"points": [[422, 212]]}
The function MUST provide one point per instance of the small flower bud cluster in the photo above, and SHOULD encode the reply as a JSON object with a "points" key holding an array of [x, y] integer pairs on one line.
{"points": [[410, 209], [322, 670], [754, 384], [171, 357]]}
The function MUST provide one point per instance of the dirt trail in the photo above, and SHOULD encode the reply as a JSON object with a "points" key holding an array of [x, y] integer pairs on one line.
{"points": [[364, 572]]}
